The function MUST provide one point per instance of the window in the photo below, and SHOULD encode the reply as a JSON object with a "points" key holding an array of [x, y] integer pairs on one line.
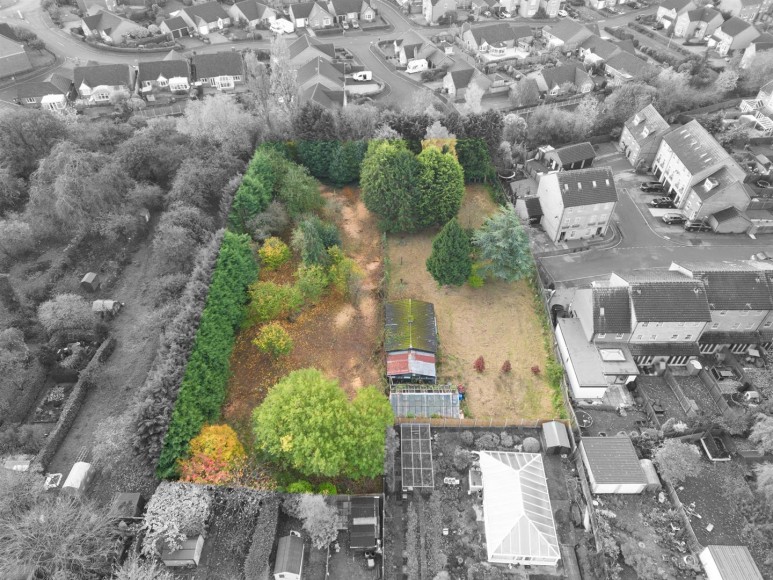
{"points": [[368, 16], [768, 324], [715, 325], [619, 335], [653, 336], [602, 335], [327, 22], [687, 336], [722, 312], [645, 324], [101, 97], [147, 84], [737, 325], [237, 78], [638, 337], [30, 100], [674, 336], [163, 83]]}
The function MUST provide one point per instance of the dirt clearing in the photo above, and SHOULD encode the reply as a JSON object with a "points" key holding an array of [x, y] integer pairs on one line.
{"points": [[341, 339], [497, 322]]}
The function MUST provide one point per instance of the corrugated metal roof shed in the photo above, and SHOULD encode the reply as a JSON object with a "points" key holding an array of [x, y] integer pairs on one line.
{"points": [[732, 562], [613, 460], [364, 522], [410, 324], [411, 363]]}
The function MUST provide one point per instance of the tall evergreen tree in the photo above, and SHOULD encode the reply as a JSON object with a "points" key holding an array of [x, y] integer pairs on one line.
{"points": [[450, 262], [504, 246], [441, 186], [346, 162]]}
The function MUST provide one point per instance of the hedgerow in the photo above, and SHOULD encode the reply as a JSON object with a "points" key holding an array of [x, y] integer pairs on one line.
{"points": [[203, 387]]}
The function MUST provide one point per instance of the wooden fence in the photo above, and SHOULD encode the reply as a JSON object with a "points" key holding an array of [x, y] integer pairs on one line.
{"points": [[684, 402], [712, 386], [691, 539], [479, 422]]}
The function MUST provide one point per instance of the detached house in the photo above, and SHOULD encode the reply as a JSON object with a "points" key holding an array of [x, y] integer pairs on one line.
{"points": [[641, 136], [577, 204], [458, 81], [434, 10], [327, 98], [498, 39], [51, 95], [733, 34], [550, 7], [670, 10], [623, 67], [97, 83], [311, 15], [307, 48], [168, 75], [220, 70], [594, 51], [205, 18], [528, 8], [745, 9], [567, 34], [320, 71], [351, 10], [698, 24], [760, 44], [252, 13], [108, 27], [563, 79]]}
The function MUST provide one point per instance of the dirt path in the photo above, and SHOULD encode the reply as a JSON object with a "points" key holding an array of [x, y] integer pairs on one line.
{"points": [[136, 330]]}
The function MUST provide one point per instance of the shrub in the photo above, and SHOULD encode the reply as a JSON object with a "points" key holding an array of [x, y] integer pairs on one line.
{"points": [[168, 288], [467, 437], [531, 445], [176, 511], [487, 441], [450, 263], [19, 439], [299, 191], [462, 459], [256, 563], [506, 367], [300, 487], [274, 340], [203, 388], [475, 280], [16, 237], [273, 253], [269, 223], [479, 364], [327, 489], [68, 313], [536, 370], [215, 455], [312, 282], [505, 440], [345, 275], [270, 301], [312, 239]]}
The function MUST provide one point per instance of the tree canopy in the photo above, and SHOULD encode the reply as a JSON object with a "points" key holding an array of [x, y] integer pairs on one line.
{"points": [[307, 424], [450, 262], [504, 246], [441, 186], [677, 461]]}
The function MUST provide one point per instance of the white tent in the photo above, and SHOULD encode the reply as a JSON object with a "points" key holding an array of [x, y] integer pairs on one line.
{"points": [[517, 514]]}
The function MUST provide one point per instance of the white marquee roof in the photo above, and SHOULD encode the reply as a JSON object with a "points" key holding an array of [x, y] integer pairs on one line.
{"points": [[516, 507]]}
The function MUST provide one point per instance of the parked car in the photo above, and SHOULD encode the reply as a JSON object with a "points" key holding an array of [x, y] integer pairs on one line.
{"points": [[698, 226], [662, 202], [674, 218], [355, 24], [563, 13], [762, 256], [658, 26], [345, 25], [650, 186], [505, 14]]}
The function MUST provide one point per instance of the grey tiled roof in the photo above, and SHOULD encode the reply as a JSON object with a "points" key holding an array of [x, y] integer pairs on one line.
{"points": [[734, 26], [587, 186], [727, 214], [655, 124], [734, 290], [671, 299], [101, 74], [305, 42], [533, 207], [150, 71], [218, 64], [577, 152], [664, 349], [695, 147], [611, 310], [613, 460], [208, 12]]}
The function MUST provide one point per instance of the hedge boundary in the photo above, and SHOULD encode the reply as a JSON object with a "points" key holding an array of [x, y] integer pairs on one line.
{"points": [[72, 407], [256, 563]]}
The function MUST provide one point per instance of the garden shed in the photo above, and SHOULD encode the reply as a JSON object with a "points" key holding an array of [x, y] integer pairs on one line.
{"points": [[91, 282], [424, 401], [729, 563], [410, 341], [79, 479], [289, 558], [188, 554], [555, 438], [128, 506], [517, 515], [612, 465]]}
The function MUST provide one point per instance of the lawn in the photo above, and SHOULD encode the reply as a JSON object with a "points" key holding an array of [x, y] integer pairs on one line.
{"points": [[498, 322], [337, 337]]}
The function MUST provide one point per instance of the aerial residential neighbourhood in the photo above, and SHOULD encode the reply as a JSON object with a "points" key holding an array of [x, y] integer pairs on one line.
{"points": [[386, 289]]}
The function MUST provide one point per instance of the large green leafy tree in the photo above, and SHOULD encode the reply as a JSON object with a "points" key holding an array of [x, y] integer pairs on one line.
{"points": [[441, 186], [307, 424], [388, 181], [504, 246], [450, 262]]}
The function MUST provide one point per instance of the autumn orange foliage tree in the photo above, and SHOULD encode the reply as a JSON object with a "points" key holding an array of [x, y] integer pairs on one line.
{"points": [[216, 455]]}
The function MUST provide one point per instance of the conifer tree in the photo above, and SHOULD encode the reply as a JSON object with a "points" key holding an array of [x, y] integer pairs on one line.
{"points": [[450, 261]]}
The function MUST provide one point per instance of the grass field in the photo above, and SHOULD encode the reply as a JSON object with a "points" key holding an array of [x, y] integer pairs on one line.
{"points": [[498, 322], [337, 337]]}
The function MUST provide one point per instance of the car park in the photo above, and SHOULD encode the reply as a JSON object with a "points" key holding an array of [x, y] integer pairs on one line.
{"points": [[697, 226], [662, 202], [674, 218]]}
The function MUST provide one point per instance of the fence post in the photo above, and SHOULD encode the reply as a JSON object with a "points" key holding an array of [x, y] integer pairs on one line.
{"points": [[490, 422]]}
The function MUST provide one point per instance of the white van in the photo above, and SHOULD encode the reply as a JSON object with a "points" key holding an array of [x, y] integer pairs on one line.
{"points": [[282, 26], [417, 65], [363, 75]]}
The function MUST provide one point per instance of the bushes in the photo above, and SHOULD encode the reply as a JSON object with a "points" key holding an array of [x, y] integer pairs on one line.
{"points": [[273, 253], [176, 511], [215, 456], [270, 301], [312, 281], [66, 313], [256, 563], [344, 274], [300, 487], [299, 191], [312, 239], [274, 340], [202, 391], [531, 445]]}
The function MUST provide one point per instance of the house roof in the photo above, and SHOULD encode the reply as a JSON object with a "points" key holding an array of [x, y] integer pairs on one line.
{"points": [[611, 309], [569, 31], [364, 522], [727, 214], [731, 337], [101, 74], [734, 26], [533, 206], [586, 186], [518, 517], [410, 324], [586, 360], [733, 562], [577, 152], [736, 290], [305, 42], [342, 7], [600, 47], [566, 73], [302, 10], [251, 9], [218, 64], [150, 71], [716, 182], [763, 42], [208, 12], [289, 555], [174, 55], [555, 434], [411, 362], [522, 31], [462, 77], [649, 119], [176, 23], [320, 94], [8, 31], [41, 89], [664, 348], [669, 298], [105, 21], [626, 62], [675, 4], [412, 50], [612, 460], [704, 14], [493, 34], [319, 66], [695, 147]]}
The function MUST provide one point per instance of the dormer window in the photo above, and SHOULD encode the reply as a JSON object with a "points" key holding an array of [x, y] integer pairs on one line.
{"points": [[710, 184], [637, 119], [594, 184], [579, 186], [645, 132]]}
